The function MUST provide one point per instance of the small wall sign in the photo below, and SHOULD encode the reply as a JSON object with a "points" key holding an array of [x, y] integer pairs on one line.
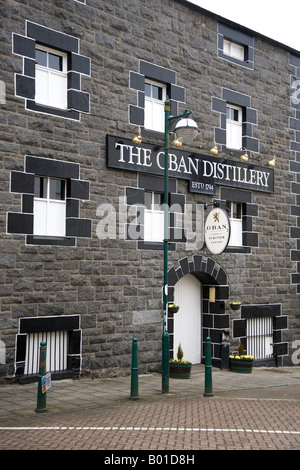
{"points": [[46, 382], [217, 231]]}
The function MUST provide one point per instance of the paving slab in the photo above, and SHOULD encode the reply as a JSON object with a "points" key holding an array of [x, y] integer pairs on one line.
{"points": [[20, 400]]}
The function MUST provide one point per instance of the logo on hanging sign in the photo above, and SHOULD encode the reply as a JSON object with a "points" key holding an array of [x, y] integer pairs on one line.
{"points": [[217, 231]]}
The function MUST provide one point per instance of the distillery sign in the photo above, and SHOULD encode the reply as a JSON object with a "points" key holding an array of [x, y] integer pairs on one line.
{"points": [[202, 172], [217, 231]]}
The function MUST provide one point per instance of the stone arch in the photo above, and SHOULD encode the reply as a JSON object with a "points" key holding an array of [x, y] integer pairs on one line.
{"points": [[214, 318]]}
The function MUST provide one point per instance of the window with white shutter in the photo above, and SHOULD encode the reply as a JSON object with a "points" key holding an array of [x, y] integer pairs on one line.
{"points": [[51, 78], [153, 217], [234, 130], [155, 96], [49, 207], [234, 50]]}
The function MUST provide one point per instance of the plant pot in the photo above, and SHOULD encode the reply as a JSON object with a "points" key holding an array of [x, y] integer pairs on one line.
{"points": [[235, 306], [180, 371], [241, 365], [173, 309]]}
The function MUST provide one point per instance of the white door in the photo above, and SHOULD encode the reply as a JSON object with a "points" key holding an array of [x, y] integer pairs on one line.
{"points": [[187, 321]]}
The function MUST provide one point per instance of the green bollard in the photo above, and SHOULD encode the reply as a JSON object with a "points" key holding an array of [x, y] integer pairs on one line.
{"points": [[134, 372], [208, 377], [165, 362], [41, 397]]}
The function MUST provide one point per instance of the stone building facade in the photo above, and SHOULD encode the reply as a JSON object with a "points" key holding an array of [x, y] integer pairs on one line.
{"points": [[81, 249]]}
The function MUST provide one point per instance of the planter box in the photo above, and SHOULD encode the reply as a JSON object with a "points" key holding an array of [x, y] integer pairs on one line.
{"points": [[180, 371], [241, 366], [173, 309], [235, 306]]}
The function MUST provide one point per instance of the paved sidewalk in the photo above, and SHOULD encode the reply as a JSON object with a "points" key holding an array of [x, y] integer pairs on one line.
{"points": [[17, 401]]}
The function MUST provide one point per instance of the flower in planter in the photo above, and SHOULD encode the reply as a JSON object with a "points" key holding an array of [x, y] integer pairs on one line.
{"points": [[180, 369], [176, 361], [179, 359], [241, 354], [242, 358]]}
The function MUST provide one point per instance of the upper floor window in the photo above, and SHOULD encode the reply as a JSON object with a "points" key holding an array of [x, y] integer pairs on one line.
{"points": [[234, 50], [236, 46], [152, 84], [234, 127], [153, 217], [51, 78], [155, 96], [49, 206], [52, 71]]}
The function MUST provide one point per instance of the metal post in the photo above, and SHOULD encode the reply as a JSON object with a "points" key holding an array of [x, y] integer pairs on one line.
{"points": [[41, 397], [134, 371], [165, 336], [208, 377]]}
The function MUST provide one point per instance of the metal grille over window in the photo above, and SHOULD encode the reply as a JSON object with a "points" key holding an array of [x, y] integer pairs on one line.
{"points": [[57, 351], [260, 337]]}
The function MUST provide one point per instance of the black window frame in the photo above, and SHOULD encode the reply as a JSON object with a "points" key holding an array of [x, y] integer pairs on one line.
{"points": [[249, 119], [238, 37], [78, 66], [136, 197], [156, 73], [249, 210], [76, 190]]}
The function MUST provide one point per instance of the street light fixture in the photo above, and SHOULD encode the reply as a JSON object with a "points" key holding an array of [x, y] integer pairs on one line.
{"points": [[186, 130]]}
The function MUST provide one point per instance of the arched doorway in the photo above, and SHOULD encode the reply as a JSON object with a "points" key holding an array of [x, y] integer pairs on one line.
{"points": [[187, 321], [214, 320]]}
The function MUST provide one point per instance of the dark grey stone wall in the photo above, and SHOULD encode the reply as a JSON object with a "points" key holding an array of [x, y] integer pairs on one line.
{"points": [[112, 286]]}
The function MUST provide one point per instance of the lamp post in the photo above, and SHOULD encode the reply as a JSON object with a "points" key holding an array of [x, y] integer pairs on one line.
{"points": [[186, 129]]}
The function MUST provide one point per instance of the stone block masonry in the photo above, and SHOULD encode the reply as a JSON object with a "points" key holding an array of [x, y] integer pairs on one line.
{"points": [[103, 291]]}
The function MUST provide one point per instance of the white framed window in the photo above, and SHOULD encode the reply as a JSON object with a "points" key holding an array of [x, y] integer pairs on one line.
{"points": [[153, 217], [234, 50], [234, 127], [235, 217], [155, 96], [51, 77], [49, 206]]}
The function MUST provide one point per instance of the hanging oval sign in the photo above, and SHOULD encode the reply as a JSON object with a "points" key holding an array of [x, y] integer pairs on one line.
{"points": [[217, 231]]}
